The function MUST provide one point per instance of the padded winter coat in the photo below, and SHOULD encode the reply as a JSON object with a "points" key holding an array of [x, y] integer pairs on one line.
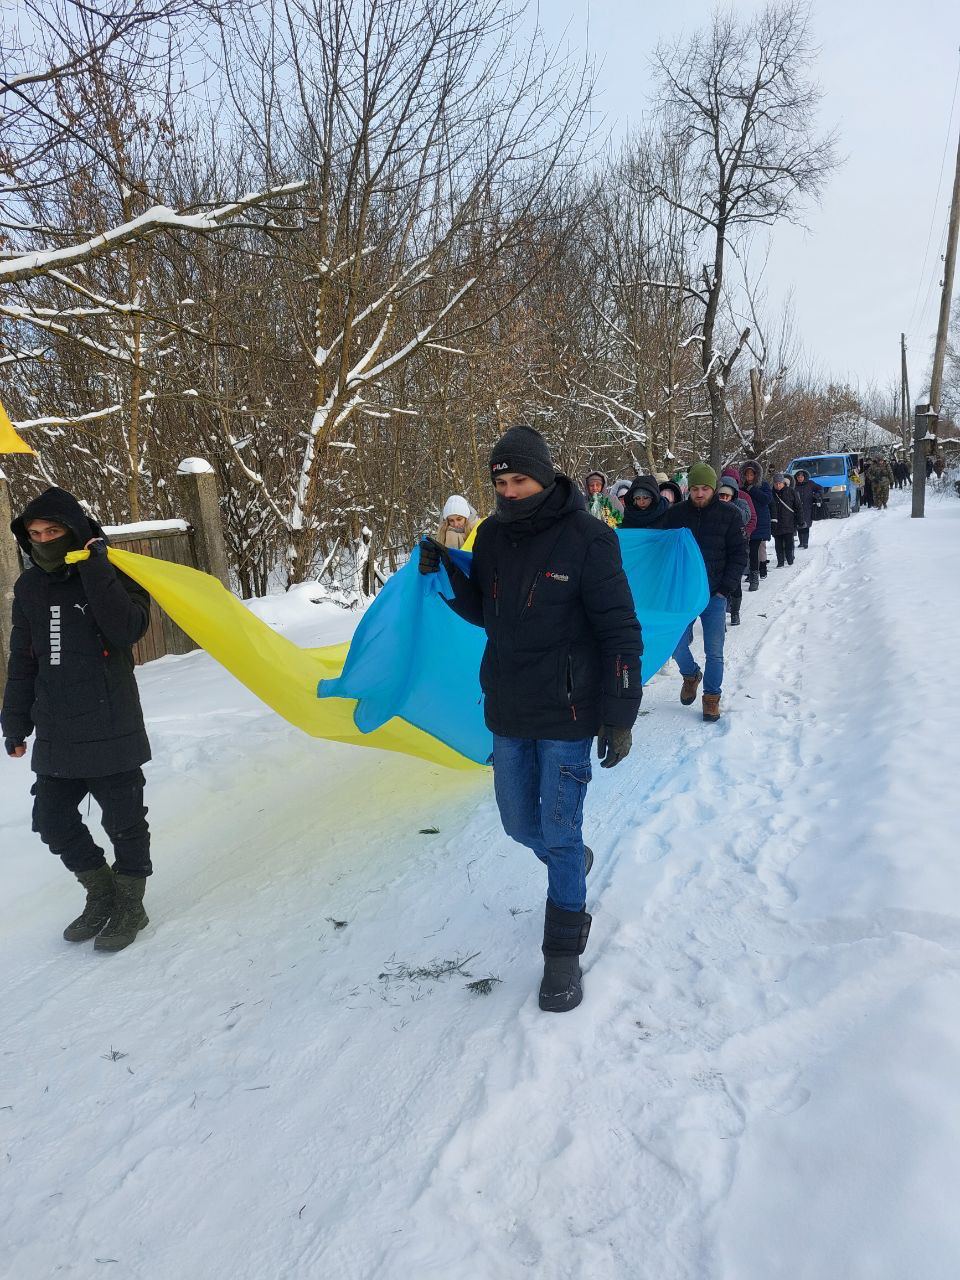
{"points": [[718, 530], [563, 641], [70, 675], [744, 497], [786, 513], [811, 496], [761, 495]]}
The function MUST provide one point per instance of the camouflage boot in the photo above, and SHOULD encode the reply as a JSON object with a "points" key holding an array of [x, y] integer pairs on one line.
{"points": [[101, 896], [128, 916]]}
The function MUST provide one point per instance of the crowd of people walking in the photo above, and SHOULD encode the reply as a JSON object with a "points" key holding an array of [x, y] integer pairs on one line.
{"points": [[561, 669]]}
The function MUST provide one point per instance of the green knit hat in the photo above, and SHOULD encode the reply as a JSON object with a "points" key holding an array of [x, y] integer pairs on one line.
{"points": [[702, 473]]}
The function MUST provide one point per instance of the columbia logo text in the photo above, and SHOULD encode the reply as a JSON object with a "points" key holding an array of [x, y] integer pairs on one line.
{"points": [[557, 577]]}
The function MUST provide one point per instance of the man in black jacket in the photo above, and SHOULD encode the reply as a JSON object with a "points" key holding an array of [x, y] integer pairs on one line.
{"points": [[561, 666], [717, 528], [70, 678]]}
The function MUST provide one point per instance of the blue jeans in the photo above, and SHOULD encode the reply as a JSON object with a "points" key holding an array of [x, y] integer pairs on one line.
{"points": [[714, 623], [540, 784]]}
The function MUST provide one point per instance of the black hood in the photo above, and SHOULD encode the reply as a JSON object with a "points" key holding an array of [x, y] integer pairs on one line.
{"points": [[674, 489], [56, 504], [633, 517]]}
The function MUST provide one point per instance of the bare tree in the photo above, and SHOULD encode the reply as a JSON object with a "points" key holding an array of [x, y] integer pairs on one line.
{"points": [[738, 104], [429, 134]]}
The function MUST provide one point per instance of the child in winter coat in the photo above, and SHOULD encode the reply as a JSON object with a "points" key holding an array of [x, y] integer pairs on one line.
{"points": [[456, 524], [70, 681], [786, 517]]}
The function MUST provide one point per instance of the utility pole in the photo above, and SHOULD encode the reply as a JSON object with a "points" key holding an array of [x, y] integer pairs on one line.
{"points": [[927, 415], [904, 396], [946, 295]]}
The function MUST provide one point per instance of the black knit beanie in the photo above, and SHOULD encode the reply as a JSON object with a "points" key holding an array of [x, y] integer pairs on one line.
{"points": [[523, 450]]}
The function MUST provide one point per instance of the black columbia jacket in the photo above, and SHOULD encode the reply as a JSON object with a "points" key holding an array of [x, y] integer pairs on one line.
{"points": [[70, 675], [563, 640], [718, 530]]}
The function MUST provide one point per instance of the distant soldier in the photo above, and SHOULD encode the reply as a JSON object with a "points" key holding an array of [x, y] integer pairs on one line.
{"points": [[881, 478]]}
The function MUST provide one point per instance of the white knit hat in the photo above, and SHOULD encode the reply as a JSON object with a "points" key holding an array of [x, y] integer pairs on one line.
{"points": [[456, 506]]}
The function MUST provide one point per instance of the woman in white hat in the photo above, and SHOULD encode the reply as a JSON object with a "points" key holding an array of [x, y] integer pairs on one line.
{"points": [[457, 523]]}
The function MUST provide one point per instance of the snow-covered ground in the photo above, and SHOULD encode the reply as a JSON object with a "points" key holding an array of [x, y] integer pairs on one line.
{"points": [[763, 1081]]}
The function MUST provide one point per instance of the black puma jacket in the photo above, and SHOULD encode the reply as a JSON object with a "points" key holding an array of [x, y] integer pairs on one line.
{"points": [[70, 675]]}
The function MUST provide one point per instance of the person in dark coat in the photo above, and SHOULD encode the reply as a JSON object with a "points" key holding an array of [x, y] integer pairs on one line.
{"points": [[561, 667], [718, 530], [811, 500], [786, 515], [70, 682], [644, 505], [744, 497], [761, 495], [671, 491], [729, 491]]}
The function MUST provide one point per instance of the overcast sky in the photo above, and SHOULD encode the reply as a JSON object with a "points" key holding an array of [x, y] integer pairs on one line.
{"points": [[888, 71]]}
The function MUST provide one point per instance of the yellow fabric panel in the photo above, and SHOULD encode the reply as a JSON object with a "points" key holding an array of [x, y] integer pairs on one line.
{"points": [[10, 442], [277, 671]]}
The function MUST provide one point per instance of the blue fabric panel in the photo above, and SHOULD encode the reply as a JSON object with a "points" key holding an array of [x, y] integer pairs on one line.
{"points": [[412, 657]]}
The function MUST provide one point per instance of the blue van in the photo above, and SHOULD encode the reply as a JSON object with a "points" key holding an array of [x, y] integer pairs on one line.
{"points": [[834, 473]]}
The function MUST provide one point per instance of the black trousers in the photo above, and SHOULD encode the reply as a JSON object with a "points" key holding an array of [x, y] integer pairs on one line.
{"points": [[57, 822], [755, 555], [804, 536], [784, 544]]}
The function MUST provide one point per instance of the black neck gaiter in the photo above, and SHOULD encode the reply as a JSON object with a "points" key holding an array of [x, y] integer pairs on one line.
{"points": [[49, 555], [510, 510]]}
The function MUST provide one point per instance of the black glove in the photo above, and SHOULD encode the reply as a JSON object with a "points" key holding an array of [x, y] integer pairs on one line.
{"points": [[98, 547], [10, 745], [432, 555], [613, 745]]}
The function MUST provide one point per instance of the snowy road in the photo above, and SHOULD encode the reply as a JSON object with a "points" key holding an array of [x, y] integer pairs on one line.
{"points": [[763, 1080]]}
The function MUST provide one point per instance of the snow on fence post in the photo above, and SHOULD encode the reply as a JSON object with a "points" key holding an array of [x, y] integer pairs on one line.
{"points": [[9, 572], [197, 486]]}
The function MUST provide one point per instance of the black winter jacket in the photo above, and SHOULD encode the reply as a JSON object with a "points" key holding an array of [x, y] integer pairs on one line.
{"points": [[786, 513], [810, 495], [761, 495], [563, 640], [718, 529], [652, 518], [70, 675]]}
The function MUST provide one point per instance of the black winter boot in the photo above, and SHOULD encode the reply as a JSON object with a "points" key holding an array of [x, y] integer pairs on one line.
{"points": [[754, 580], [565, 936], [763, 569], [735, 616], [128, 916], [101, 896], [587, 859]]}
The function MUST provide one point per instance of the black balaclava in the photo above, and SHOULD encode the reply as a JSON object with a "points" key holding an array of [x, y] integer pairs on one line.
{"points": [[49, 556]]}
